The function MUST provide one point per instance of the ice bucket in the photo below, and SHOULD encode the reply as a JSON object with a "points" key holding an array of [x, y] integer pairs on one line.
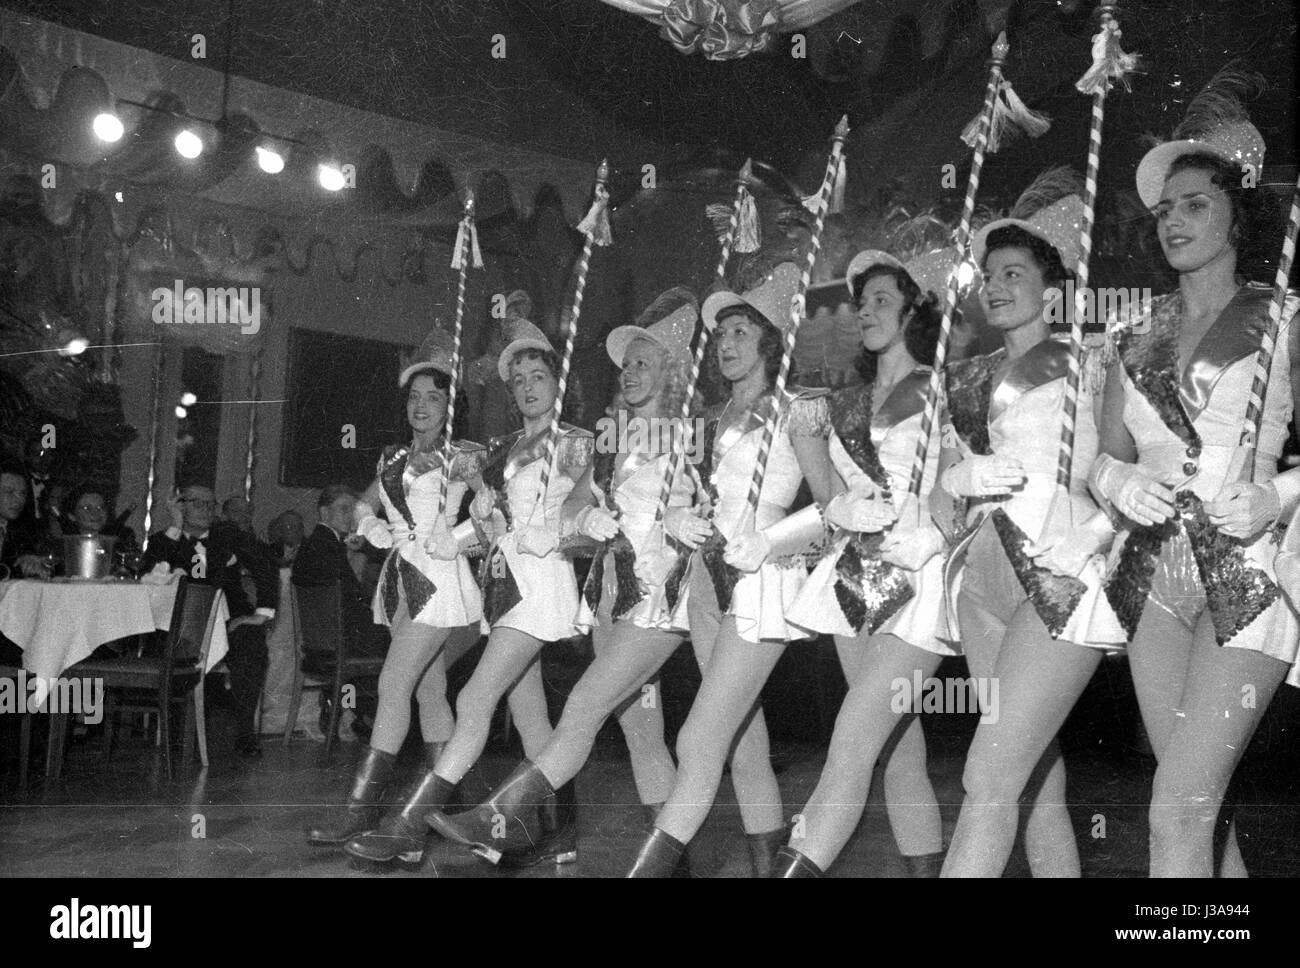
{"points": [[88, 556]]}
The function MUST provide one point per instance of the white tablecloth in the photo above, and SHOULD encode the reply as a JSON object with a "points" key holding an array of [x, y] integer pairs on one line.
{"points": [[57, 624]]}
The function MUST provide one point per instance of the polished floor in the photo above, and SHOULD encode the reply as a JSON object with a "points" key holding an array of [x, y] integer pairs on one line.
{"points": [[246, 820]]}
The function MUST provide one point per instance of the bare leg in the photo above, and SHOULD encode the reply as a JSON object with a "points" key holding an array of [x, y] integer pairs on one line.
{"points": [[910, 800], [508, 655], [436, 719], [874, 708], [528, 709], [1038, 682], [413, 649], [625, 659], [1160, 660], [1225, 694], [725, 718]]}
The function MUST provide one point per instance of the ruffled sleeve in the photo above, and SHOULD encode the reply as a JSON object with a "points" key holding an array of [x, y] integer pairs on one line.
{"points": [[808, 415]]}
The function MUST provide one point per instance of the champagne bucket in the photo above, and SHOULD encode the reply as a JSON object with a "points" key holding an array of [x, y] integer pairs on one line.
{"points": [[88, 556]]}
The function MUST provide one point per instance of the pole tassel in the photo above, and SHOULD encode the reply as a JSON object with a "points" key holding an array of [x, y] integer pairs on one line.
{"points": [[1109, 62], [748, 237]]}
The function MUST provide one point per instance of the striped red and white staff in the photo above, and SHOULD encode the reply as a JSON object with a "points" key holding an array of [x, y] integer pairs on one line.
{"points": [[464, 254]]}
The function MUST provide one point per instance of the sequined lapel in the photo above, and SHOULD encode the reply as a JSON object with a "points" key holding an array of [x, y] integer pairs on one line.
{"points": [[1234, 335], [521, 456], [968, 383], [851, 418], [629, 465], [1048, 361], [907, 399], [1151, 361], [495, 462], [391, 479]]}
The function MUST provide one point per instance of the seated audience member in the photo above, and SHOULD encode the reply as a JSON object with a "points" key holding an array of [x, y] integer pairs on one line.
{"points": [[90, 513], [238, 511], [19, 539], [284, 536], [214, 553], [323, 558]]}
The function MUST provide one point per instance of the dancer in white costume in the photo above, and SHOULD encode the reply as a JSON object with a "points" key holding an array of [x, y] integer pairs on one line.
{"points": [[634, 628], [1194, 580], [739, 586], [1033, 616], [883, 603], [426, 589], [530, 597]]}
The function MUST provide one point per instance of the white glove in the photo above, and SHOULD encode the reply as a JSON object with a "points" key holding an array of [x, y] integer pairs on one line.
{"points": [[983, 475], [537, 541], [1068, 554], [596, 522], [654, 567], [376, 531], [1244, 510], [1134, 492], [483, 504], [911, 547], [856, 512], [442, 544], [748, 552], [686, 527]]}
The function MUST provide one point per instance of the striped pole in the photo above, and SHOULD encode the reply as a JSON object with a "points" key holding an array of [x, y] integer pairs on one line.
{"points": [[797, 310], [155, 420], [570, 336], [463, 257], [1264, 358], [1065, 460], [250, 446], [999, 56], [702, 343]]}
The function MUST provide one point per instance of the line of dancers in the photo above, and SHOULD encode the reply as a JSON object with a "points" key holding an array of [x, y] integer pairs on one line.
{"points": [[1173, 553]]}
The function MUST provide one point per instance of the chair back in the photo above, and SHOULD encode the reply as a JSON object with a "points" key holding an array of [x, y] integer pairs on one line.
{"points": [[318, 617], [190, 634]]}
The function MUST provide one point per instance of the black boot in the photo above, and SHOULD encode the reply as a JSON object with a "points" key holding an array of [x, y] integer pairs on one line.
{"points": [[363, 810], [790, 863], [524, 821], [402, 837], [683, 868], [659, 856], [763, 848], [924, 865]]}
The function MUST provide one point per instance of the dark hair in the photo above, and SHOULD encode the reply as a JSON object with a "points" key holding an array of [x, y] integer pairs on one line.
{"points": [[16, 468], [77, 493], [331, 493], [550, 358], [443, 382], [920, 315], [1043, 252], [1256, 217]]}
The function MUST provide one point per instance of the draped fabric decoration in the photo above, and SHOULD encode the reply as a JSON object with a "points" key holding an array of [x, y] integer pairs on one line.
{"points": [[731, 29]]}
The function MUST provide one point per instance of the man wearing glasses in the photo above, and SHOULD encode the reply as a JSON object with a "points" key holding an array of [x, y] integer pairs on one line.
{"points": [[213, 552]]}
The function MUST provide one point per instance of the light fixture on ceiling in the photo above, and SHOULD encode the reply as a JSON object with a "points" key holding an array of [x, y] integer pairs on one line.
{"points": [[108, 127], [269, 160], [330, 177], [188, 144]]}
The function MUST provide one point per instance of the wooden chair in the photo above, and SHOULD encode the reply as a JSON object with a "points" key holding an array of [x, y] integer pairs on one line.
{"points": [[318, 619], [155, 683]]}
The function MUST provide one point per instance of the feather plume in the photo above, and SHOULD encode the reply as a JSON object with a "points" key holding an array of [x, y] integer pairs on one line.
{"points": [[1051, 186], [1220, 101]]}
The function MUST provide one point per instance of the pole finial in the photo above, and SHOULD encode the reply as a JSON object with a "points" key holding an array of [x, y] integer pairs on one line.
{"points": [[602, 171], [841, 129], [469, 201], [1001, 48], [746, 171]]}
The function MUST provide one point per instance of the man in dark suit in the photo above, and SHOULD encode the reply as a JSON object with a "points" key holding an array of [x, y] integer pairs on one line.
{"points": [[214, 553], [323, 558]]}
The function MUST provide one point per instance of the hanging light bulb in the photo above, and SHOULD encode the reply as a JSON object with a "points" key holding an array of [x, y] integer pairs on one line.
{"points": [[75, 346], [181, 413], [331, 179], [189, 144], [269, 160], [107, 127], [188, 399], [965, 273]]}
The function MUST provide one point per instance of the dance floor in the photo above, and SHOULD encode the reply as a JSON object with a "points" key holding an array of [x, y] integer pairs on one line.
{"points": [[246, 820]]}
